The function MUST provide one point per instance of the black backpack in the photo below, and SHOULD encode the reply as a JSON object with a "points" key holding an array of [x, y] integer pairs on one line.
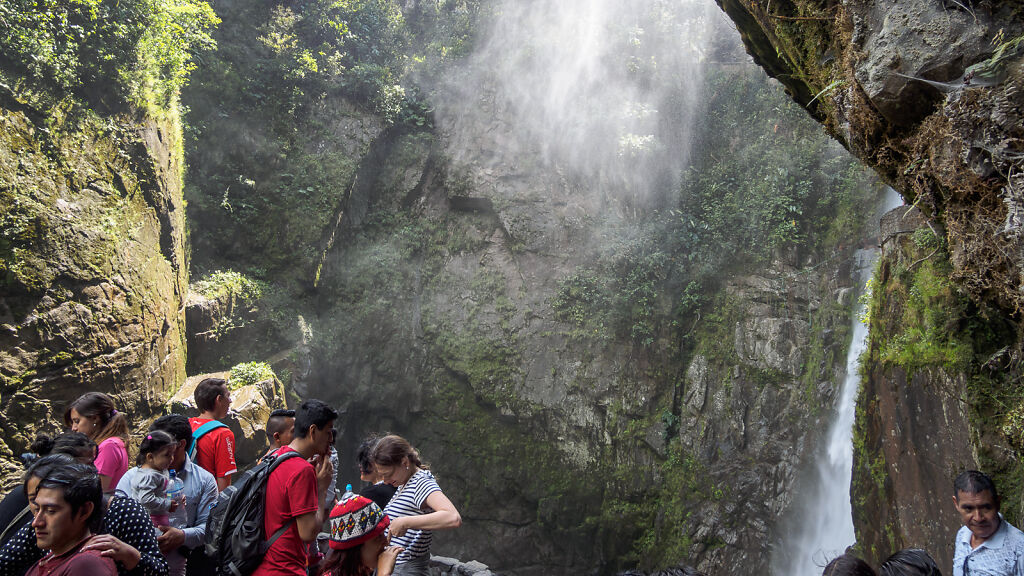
{"points": [[235, 541]]}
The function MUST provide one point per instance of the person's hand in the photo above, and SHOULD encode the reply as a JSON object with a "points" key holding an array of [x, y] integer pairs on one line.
{"points": [[173, 506], [114, 549], [386, 560], [324, 473], [171, 539], [398, 527]]}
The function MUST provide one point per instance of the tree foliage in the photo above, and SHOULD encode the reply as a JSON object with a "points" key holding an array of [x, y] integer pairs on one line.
{"points": [[105, 51], [766, 178]]}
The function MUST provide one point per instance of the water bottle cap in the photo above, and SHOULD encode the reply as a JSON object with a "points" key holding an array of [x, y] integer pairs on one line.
{"points": [[172, 472], [348, 487]]}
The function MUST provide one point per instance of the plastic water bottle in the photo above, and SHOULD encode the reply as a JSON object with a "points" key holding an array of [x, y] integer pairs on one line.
{"points": [[348, 493], [176, 492]]}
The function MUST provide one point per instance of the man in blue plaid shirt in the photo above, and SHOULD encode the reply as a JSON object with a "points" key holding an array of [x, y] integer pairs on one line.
{"points": [[987, 545]]}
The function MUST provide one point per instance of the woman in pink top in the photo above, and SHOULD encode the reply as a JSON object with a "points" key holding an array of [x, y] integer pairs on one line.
{"points": [[93, 414]]}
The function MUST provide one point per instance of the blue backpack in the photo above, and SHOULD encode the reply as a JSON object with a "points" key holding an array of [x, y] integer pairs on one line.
{"points": [[200, 432]]}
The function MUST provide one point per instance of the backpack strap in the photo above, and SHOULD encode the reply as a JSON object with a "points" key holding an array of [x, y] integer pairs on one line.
{"points": [[200, 432], [279, 533], [277, 460], [274, 464]]}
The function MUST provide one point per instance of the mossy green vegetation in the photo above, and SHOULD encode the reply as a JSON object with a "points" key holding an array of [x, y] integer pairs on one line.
{"points": [[229, 285], [303, 94], [92, 259], [621, 298], [925, 332], [661, 518], [137, 52], [71, 205], [780, 186], [248, 373], [926, 321]]}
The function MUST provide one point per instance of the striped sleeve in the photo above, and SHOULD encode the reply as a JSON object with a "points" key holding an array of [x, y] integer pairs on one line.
{"points": [[425, 486]]}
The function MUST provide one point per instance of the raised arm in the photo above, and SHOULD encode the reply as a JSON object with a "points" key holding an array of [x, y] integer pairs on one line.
{"points": [[443, 517]]}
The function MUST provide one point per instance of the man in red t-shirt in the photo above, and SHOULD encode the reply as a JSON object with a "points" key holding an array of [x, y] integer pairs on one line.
{"points": [[296, 489], [64, 505], [215, 450]]}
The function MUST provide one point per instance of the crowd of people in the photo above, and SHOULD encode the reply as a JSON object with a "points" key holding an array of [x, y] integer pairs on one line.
{"points": [[81, 510]]}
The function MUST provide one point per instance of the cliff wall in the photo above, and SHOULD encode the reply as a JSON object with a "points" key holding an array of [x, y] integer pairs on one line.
{"points": [[92, 264], [928, 94], [598, 379]]}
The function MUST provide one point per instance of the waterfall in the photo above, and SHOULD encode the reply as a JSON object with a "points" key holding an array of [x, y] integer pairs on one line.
{"points": [[825, 528]]}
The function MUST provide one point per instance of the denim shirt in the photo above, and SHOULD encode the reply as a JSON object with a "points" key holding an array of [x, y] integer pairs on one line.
{"points": [[200, 496], [1000, 555]]}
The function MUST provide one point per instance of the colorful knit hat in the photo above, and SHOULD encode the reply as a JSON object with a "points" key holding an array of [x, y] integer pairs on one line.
{"points": [[356, 519]]}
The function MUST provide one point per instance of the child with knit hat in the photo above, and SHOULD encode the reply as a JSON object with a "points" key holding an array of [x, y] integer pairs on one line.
{"points": [[358, 542]]}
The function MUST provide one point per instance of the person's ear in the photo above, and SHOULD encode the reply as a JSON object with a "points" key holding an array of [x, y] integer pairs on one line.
{"points": [[956, 503], [85, 511]]}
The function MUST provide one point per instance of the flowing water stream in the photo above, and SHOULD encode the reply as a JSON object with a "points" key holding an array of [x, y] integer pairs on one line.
{"points": [[826, 527]]}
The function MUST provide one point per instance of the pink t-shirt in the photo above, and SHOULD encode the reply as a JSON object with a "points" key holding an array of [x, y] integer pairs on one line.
{"points": [[112, 460]]}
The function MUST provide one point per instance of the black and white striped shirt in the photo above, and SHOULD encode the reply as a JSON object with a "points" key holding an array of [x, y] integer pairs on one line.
{"points": [[410, 500]]}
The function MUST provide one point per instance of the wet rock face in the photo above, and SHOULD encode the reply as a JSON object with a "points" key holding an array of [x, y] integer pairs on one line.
{"points": [[916, 430], [756, 418], [932, 402], [524, 423], [930, 40], [953, 148], [92, 268]]}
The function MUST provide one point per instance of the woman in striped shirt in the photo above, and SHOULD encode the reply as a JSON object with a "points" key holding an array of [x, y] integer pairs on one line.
{"points": [[418, 506]]}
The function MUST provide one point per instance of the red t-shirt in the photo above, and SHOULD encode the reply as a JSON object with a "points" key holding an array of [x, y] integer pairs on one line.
{"points": [[215, 451], [291, 492]]}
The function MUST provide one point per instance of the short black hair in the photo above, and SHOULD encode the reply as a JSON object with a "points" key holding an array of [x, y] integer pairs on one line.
{"points": [[80, 484], [974, 482], [174, 424], [41, 467], [909, 562], [848, 565], [276, 421], [363, 455], [313, 412], [208, 391]]}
